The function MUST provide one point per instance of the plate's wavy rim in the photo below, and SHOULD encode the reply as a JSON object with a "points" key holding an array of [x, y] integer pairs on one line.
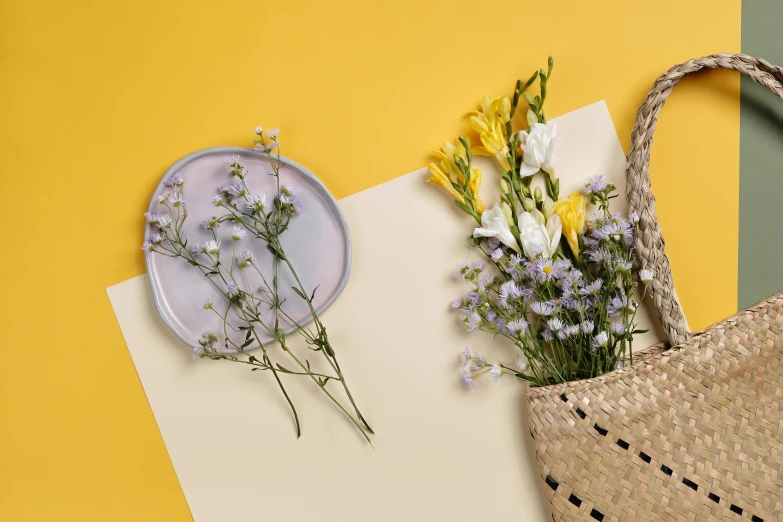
{"points": [[182, 162]]}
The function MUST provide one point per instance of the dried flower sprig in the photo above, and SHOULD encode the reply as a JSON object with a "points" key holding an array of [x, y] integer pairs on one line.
{"points": [[252, 216]]}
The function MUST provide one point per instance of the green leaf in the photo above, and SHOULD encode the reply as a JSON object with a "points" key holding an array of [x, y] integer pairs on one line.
{"points": [[640, 331], [299, 293], [282, 368], [313, 295], [248, 342], [252, 359], [192, 262]]}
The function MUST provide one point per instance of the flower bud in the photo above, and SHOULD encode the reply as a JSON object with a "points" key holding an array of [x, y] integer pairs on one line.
{"points": [[548, 208], [538, 216], [504, 188], [528, 204], [507, 213], [538, 195], [532, 119]]}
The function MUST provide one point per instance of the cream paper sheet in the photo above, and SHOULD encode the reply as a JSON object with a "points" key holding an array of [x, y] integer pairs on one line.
{"points": [[441, 452]]}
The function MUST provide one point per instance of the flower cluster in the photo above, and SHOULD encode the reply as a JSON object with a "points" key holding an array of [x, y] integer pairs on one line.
{"points": [[250, 220], [561, 286]]}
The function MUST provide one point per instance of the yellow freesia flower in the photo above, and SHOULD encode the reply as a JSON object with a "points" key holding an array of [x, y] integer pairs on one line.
{"points": [[572, 214], [446, 172], [490, 124]]}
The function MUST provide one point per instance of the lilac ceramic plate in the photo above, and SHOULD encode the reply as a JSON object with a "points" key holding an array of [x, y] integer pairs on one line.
{"points": [[318, 244]]}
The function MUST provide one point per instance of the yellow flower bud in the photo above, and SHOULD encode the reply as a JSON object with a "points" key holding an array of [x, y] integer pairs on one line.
{"points": [[572, 214]]}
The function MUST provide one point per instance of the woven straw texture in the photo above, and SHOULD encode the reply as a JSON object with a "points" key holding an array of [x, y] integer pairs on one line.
{"points": [[692, 433]]}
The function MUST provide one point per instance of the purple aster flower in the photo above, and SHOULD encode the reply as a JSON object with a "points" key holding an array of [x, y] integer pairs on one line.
{"points": [[595, 184], [246, 258], [555, 324], [592, 288], [467, 380], [508, 290], [148, 247], [518, 326], [255, 203], [617, 328], [473, 322], [217, 200], [543, 308], [233, 161], [174, 181], [237, 191], [587, 327], [496, 254], [496, 373], [196, 249], [465, 356], [210, 223], [156, 239], [622, 265], [472, 299], [618, 304], [462, 270], [485, 282], [232, 290], [600, 340], [548, 335], [600, 256], [456, 304]]}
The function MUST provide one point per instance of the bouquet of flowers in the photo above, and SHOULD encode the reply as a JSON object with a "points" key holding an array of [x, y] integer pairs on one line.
{"points": [[561, 286], [251, 215]]}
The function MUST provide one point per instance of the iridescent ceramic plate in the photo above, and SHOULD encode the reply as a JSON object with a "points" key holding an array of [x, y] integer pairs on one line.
{"points": [[318, 243]]}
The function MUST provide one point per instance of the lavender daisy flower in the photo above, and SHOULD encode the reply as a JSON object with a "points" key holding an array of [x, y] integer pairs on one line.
{"points": [[472, 299], [255, 203], [246, 258], [473, 321], [233, 161], [600, 256], [198, 352], [496, 254], [156, 239], [210, 223], [212, 247], [238, 233], [163, 221], [236, 191], [555, 324], [462, 270], [592, 288], [174, 181], [543, 270], [467, 380], [217, 201], [618, 304], [518, 326], [232, 290], [456, 304], [543, 308], [478, 362], [496, 372], [196, 249], [508, 290], [587, 327], [622, 265], [600, 340], [595, 221], [595, 184], [148, 247], [465, 356], [617, 328], [485, 282]]}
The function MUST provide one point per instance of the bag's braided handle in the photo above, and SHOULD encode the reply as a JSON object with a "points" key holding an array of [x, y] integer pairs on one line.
{"points": [[649, 239]]}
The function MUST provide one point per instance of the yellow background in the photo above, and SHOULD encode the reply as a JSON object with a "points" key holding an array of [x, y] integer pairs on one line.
{"points": [[98, 98]]}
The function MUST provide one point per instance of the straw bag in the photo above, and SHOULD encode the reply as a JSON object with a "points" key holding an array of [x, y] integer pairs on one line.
{"points": [[692, 433]]}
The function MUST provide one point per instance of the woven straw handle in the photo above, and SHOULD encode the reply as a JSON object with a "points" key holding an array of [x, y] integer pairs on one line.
{"points": [[649, 239]]}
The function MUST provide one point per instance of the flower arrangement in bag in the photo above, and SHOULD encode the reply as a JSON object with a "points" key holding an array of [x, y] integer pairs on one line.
{"points": [[558, 284], [223, 260]]}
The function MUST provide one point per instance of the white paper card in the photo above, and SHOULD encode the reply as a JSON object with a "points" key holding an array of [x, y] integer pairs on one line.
{"points": [[441, 452]]}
